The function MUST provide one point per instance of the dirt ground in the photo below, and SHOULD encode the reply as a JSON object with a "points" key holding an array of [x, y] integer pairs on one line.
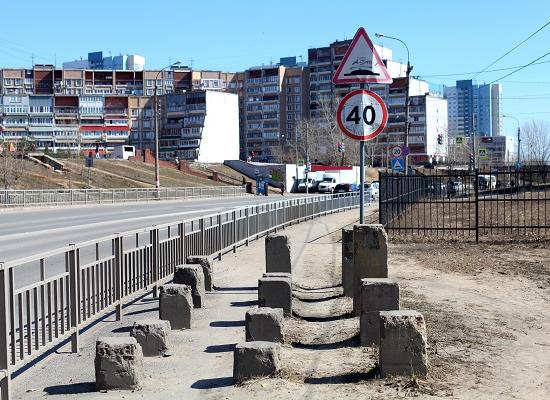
{"points": [[485, 305]]}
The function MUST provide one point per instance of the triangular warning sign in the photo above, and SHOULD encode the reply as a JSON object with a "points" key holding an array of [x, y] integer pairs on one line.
{"points": [[361, 63], [397, 164]]}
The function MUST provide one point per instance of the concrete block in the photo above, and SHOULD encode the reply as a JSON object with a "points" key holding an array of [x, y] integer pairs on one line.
{"points": [[207, 265], [277, 253], [370, 258], [347, 261], [377, 294], [275, 292], [277, 275], [264, 324], [118, 364], [176, 305], [402, 344], [192, 275], [255, 360], [152, 336]]}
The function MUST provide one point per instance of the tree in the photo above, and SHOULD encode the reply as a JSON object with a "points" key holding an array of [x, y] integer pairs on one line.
{"points": [[12, 165], [535, 149]]}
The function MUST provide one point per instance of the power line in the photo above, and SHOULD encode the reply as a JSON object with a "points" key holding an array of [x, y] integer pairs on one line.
{"points": [[512, 49], [474, 72], [520, 68]]}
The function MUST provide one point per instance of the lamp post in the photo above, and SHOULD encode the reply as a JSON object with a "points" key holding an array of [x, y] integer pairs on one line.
{"points": [[408, 75], [519, 137], [157, 145]]}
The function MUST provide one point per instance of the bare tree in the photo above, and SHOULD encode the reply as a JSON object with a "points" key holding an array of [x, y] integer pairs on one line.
{"points": [[536, 142], [12, 164]]}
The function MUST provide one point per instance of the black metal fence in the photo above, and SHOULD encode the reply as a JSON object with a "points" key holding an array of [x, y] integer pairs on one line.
{"points": [[466, 203]]}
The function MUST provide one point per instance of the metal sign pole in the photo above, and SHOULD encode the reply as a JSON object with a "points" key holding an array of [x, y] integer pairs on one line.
{"points": [[362, 182]]}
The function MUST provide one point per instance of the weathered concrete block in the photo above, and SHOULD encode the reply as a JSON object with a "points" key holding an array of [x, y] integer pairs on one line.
{"points": [[275, 292], [277, 253], [402, 343], [176, 305], [255, 360], [118, 363], [377, 294], [277, 275], [347, 261], [207, 265], [192, 275], [370, 258], [152, 336], [264, 324]]}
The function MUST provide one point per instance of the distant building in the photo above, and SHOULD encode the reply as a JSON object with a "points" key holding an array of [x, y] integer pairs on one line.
{"points": [[499, 151], [96, 60], [474, 108], [200, 126]]}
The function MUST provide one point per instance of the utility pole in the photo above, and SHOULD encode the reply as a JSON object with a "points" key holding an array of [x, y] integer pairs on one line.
{"points": [[307, 159], [473, 135]]}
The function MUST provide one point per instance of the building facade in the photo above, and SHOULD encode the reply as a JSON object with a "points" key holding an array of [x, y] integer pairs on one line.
{"points": [[96, 60], [275, 100], [474, 109]]}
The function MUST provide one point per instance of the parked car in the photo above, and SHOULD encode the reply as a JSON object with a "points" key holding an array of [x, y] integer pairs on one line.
{"points": [[345, 188], [371, 190], [327, 185], [311, 185], [429, 166]]}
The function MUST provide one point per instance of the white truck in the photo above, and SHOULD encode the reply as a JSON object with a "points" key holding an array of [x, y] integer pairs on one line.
{"points": [[329, 182]]}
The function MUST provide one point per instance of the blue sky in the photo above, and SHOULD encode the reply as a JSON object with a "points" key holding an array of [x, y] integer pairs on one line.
{"points": [[443, 37]]}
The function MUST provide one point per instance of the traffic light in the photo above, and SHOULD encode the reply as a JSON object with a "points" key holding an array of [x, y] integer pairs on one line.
{"points": [[341, 147], [439, 138], [486, 139], [472, 159]]}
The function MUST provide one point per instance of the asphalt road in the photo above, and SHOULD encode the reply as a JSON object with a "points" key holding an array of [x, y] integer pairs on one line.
{"points": [[30, 231]]}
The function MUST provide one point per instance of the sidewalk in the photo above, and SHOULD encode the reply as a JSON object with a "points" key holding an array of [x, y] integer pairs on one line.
{"points": [[201, 359]]}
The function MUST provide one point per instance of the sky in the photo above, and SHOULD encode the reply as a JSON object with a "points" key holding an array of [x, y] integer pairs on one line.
{"points": [[447, 40]]}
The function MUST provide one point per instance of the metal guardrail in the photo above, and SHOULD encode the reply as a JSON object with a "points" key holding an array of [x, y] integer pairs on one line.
{"points": [[80, 283], [58, 197]]}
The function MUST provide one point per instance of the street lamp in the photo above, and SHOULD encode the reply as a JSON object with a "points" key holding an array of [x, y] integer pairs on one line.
{"points": [[157, 145], [409, 69], [519, 136]]}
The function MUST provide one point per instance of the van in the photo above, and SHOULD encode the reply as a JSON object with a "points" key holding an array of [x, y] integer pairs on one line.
{"points": [[487, 181]]}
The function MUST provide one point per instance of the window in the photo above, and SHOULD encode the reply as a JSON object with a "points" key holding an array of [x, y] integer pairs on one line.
{"points": [[149, 92], [149, 83], [135, 112]]}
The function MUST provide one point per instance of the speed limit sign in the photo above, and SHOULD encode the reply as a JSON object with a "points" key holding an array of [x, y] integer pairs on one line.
{"points": [[396, 151], [362, 115]]}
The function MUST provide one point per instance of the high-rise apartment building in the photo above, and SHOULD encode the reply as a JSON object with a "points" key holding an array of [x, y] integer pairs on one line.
{"points": [[276, 99], [474, 109], [96, 60]]}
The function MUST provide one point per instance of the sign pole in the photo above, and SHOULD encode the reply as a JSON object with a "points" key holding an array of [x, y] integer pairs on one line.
{"points": [[362, 182]]}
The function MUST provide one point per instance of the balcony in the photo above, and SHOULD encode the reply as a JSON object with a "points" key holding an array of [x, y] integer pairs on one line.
{"points": [[115, 111], [66, 110]]}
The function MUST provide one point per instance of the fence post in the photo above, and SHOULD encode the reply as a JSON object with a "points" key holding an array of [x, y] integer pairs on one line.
{"points": [[117, 253], [74, 292], [276, 219], [181, 231], [476, 191], [257, 222], [284, 214], [203, 236], [154, 239], [247, 218], [5, 386], [235, 231], [220, 234]]}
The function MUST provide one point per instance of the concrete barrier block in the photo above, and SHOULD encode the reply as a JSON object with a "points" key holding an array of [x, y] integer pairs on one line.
{"points": [[277, 253], [118, 364], [377, 294], [192, 275], [277, 275], [255, 360], [264, 324], [176, 305], [370, 258], [152, 336], [347, 261], [402, 344], [207, 265], [275, 292]]}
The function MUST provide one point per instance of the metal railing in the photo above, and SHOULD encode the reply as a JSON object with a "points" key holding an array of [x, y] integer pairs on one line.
{"points": [[467, 203], [46, 299], [62, 197]]}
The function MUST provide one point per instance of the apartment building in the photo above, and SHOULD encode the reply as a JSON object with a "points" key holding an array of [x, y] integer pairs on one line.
{"points": [[276, 99], [201, 126], [474, 108], [96, 60]]}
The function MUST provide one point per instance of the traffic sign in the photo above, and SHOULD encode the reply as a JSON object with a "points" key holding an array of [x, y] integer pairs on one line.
{"points": [[362, 115], [483, 152], [300, 163], [398, 164], [396, 151], [405, 151], [459, 140], [361, 63]]}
